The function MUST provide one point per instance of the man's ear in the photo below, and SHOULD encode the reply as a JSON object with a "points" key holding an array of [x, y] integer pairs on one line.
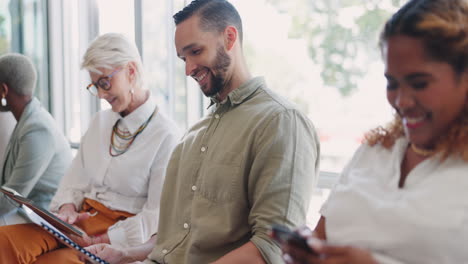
{"points": [[230, 37]]}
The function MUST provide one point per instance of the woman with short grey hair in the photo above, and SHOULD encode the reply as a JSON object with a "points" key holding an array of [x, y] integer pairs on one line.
{"points": [[37, 154], [112, 190]]}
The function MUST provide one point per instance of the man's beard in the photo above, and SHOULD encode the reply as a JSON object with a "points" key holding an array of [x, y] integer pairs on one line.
{"points": [[219, 69]]}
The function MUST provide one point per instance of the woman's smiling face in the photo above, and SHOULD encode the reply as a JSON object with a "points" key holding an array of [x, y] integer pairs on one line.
{"points": [[427, 94]]}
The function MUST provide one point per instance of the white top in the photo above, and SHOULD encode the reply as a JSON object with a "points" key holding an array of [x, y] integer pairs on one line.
{"points": [[131, 182], [426, 221]]}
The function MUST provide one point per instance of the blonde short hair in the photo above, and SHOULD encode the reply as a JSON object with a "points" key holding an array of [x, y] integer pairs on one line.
{"points": [[112, 50]]}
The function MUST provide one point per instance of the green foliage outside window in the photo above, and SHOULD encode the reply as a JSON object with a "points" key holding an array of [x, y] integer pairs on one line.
{"points": [[342, 35]]}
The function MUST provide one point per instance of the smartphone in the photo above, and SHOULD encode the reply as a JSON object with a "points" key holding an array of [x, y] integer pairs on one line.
{"points": [[284, 235]]}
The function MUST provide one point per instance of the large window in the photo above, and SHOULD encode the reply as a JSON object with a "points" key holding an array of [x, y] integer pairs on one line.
{"points": [[166, 76], [23, 29], [72, 25]]}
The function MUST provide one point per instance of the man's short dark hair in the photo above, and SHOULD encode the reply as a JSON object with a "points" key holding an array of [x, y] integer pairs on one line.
{"points": [[215, 15]]}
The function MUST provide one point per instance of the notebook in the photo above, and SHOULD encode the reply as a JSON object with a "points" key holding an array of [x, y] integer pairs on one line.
{"points": [[51, 224]]}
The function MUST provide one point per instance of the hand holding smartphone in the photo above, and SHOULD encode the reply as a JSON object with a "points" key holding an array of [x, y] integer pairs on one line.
{"points": [[284, 235]]}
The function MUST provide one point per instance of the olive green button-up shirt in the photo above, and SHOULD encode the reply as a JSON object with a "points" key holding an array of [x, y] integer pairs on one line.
{"points": [[251, 162]]}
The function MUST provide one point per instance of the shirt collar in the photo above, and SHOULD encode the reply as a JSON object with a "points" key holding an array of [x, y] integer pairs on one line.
{"points": [[135, 119], [239, 95], [30, 108]]}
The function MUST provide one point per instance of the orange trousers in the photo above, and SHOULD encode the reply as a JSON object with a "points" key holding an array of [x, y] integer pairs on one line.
{"points": [[29, 243]]}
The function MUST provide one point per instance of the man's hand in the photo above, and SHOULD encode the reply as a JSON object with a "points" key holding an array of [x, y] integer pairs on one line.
{"points": [[68, 213]]}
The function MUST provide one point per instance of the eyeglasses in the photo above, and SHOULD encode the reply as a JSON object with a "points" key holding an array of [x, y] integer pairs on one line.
{"points": [[103, 83]]}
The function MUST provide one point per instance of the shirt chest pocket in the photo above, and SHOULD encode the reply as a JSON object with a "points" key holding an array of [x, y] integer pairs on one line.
{"points": [[220, 178]]}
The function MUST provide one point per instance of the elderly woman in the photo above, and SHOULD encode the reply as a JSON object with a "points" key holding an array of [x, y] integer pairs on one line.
{"points": [[38, 153], [113, 187], [403, 197]]}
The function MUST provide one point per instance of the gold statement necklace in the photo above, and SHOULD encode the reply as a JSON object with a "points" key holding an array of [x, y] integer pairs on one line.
{"points": [[421, 151], [122, 140]]}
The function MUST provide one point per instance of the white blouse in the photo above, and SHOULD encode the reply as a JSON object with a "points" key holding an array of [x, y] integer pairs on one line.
{"points": [[131, 182], [426, 221]]}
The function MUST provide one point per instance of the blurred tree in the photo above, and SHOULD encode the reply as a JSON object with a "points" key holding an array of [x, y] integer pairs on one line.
{"points": [[342, 35]]}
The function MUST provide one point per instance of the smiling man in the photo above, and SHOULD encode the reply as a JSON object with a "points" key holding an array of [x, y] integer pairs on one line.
{"points": [[250, 163]]}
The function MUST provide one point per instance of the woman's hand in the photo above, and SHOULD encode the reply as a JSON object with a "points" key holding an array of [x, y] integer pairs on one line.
{"points": [[325, 253], [86, 240], [69, 214], [292, 254], [133, 254], [328, 254], [108, 253]]}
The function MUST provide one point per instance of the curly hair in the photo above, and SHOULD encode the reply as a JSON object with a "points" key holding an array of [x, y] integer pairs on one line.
{"points": [[442, 25]]}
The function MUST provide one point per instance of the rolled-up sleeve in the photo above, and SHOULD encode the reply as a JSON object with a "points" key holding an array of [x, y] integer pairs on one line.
{"points": [[282, 177]]}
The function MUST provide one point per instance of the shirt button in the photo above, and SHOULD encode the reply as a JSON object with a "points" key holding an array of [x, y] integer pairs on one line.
{"points": [[186, 225], [217, 116], [164, 251], [203, 149], [194, 188]]}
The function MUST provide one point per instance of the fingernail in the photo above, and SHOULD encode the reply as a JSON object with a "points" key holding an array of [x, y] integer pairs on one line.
{"points": [[305, 232], [92, 214], [287, 258], [314, 243]]}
